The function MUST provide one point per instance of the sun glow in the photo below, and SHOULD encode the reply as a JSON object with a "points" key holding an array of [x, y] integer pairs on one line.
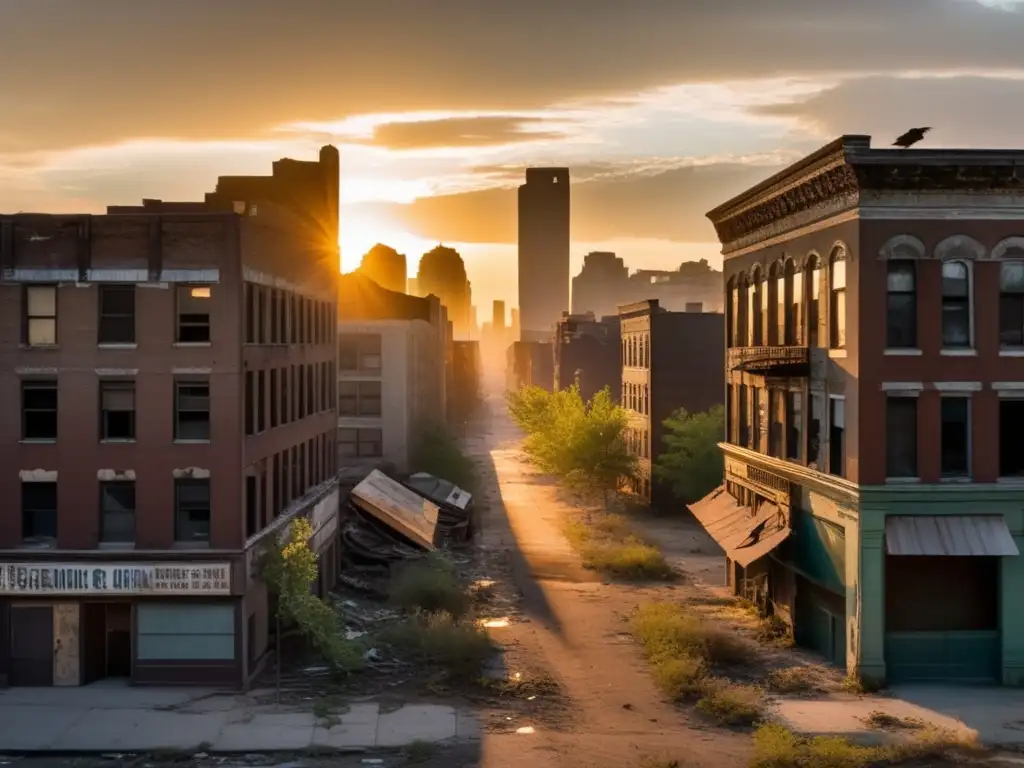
{"points": [[361, 231]]}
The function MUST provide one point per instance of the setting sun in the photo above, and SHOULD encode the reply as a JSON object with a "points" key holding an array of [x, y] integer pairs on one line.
{"points": [[360, 233]]}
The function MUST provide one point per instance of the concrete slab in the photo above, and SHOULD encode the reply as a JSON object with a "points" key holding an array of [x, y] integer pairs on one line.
{"points": [[354, 736], [265, 738], [420, 722], [467, 726]]}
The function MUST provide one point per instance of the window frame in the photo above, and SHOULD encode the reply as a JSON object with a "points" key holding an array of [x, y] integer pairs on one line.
{"points": [[40, 384], [967, 301], [180, 384], [891, 267], [110, 485], [180, 484], [41, 540], [102, 338], [179, 316], [115, 385], [837, 320], [28, 316]]}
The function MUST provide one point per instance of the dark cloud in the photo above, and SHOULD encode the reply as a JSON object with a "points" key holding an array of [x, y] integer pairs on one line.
{"points": [[462, 132], [94, 72], [668, 205], [963, 111]]}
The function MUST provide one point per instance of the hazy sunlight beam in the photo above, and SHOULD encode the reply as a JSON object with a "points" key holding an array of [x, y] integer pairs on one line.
{"points": [[361, 231]]}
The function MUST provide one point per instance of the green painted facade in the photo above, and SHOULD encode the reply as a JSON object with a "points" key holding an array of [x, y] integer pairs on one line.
{"points": [[966, 656]]}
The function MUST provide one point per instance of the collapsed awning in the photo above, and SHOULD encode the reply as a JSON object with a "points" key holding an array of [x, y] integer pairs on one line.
{"points": [[949, 536], [744, 536]]}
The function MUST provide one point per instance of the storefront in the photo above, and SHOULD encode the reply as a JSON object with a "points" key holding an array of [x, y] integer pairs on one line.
{"points": [[70, 624]]}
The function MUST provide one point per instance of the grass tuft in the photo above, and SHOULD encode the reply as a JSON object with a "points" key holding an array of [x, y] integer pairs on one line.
{"points": [[457, 645], [429, 585], [608, 545], [790, 680]]}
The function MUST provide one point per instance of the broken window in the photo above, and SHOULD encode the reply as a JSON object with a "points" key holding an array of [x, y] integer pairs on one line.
{"points": [[901, 305], [192, 410], [1011, 304], [837, 436], [117, 410], [956, 436], [956, 305], [39, 410], [39, 513], [193, 314], [40, 315], [837, 304], [192, 511], [900, 437], [117, 512], [794, 426], [1011, 446], [117, 314]]}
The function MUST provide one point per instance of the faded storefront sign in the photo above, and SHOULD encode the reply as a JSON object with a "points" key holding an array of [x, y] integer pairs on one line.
{"points": [[34, 579]]}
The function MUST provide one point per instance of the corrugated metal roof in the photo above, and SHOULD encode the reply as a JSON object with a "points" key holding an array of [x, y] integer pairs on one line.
{"points": [[732, 526], [949, 536]]}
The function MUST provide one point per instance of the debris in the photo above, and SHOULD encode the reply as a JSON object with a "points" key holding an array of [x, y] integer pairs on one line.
{"points": [[200, 756], [372, 655], [398, 507], [353, 634], [372, 761], [525, 729], [495, 623]]}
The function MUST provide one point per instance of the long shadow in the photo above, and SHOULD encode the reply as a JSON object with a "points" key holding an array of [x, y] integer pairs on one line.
{"points": [[486, 436]]}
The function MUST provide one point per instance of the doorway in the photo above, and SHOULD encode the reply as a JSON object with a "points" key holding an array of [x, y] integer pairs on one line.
{"points": [[106, 641], [31, 645]]}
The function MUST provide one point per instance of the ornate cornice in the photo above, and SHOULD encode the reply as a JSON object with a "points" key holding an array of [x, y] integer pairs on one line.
{"points": [[835, 179]]}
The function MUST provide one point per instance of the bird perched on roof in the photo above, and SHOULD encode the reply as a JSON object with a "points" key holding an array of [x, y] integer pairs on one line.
{"points": [[911, 137]]}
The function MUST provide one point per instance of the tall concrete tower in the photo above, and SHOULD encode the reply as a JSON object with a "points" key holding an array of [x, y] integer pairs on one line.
{"points": [[544, 213]]}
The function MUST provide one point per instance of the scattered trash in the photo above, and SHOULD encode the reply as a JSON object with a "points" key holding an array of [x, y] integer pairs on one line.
{"points": [[317, 670], [372, 655], [200, 756], [525, 729], [353, 634], [530, 698]]}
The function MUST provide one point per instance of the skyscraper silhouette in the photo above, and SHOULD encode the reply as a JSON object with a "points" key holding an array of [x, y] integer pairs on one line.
{"points": [[543, 250]]}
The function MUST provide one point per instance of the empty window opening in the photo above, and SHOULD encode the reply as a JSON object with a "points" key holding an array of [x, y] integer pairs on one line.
{"points": [[192, 511], [956, 438], [117, 410], [117, 512], [39, 410], [39, 513], [901, 437], [1011, 446]]}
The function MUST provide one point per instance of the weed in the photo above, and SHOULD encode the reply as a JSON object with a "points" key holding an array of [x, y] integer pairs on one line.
{"points": [[608, 544], [429, 585], [790, 680], [458, 646], [731, 703], [773, 629], [680, 678], [883, 721], [420, 751]]}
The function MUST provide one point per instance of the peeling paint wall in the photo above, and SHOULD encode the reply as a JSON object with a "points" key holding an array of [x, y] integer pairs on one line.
{"points": [[66, 660]]}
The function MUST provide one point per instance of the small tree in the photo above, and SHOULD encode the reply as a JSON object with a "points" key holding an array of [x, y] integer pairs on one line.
{"points": [[579, 443], [691, 462], [289, 568]]}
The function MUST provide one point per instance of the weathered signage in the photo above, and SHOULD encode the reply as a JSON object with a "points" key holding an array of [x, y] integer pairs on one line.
{"points": [[205, 579]]}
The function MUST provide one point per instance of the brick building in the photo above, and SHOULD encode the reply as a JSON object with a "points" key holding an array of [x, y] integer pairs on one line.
{"points": [[167, 381], [587, 353], [669, 360], [872, 490]]}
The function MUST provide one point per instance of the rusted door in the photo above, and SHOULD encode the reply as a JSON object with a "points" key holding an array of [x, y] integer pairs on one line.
{"points": [[31, 646]]}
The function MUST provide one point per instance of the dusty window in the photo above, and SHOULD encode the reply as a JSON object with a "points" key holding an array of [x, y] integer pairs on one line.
{"points": [[117, 314], [117, 512], [901, 305], [900, 437], [192, 511], [117, 410], [192, 410], [956, 305], [38, 513], [41, 315], [1011, 304], [193, 313]]}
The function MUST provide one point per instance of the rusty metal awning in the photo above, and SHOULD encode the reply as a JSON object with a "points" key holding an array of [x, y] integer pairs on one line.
{"points": [[949, 536], [744, 536]]}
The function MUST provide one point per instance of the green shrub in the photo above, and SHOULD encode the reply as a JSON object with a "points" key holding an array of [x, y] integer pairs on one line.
{"points": [[429, 585], [458, 646], [731, 703]]}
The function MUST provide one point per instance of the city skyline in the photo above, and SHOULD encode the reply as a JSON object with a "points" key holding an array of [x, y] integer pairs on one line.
{"points": [[654, 135]]}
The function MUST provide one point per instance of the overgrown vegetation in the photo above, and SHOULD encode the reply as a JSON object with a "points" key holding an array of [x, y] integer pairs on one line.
{"points": [[607, 544], [459, 647], [429, 585], [683, 650], [580, 443], [775, 746], [691, 462], [438, 452], [289, 567]]}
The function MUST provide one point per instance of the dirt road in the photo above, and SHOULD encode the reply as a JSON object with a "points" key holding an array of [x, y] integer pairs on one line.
{"points": [[577, 632]]}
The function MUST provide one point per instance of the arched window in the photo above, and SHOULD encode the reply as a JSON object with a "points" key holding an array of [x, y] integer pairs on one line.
{"points": [[813, 271], [1011, 304], [794, 303], [901, 305], [771, 304], [754, 301], [837, 299], [956, 305]]}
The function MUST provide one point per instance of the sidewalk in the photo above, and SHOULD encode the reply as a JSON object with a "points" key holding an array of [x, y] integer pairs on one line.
{"points": [[122, 719]]}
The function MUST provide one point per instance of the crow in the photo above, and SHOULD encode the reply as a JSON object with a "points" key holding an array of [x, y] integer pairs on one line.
{"points": [[911, 137], [754, 536]]}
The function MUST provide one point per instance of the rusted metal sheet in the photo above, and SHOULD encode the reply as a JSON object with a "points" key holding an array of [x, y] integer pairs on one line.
{"points": [[949, 536], [398, 507], [744, 536]]}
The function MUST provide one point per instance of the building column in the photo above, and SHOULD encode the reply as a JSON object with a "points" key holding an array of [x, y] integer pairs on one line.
{"points": [[1011, 619], [66, 644], [853, 588], [871, 588]]}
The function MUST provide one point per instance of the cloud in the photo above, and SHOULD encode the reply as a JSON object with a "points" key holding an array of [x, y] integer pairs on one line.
{"points": [[99, 73], [611, 203], [492, 130], [966, 111]]}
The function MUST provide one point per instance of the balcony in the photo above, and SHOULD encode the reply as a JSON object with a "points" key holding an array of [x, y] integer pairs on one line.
{"points": [[771, 361]]}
